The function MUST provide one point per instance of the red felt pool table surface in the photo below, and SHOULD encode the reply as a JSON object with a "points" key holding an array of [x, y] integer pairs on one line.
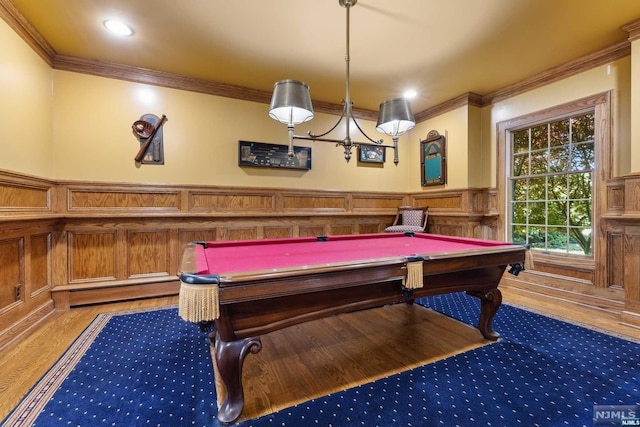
{"points": [[227, 258]]}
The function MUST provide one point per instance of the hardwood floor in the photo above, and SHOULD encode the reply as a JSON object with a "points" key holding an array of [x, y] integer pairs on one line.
{"points": [[23, 363], [348, 350]]}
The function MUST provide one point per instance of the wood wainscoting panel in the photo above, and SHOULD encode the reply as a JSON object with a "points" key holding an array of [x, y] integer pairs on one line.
{"points": [[313, 202], [215, 201], [449, 201], [631, 262], [148, 253], [311, 230], [492, 201], [199, 201], [370, 228], [615, 257], [81, 199], [368, 203], [246, 202], [478, 201], [11, 272], [91, 255], [277, 232], [632, 194], [448, 229], [615, 196], [24, 197], [40, 263], [238, 233], [336, 230], [201, 235]]}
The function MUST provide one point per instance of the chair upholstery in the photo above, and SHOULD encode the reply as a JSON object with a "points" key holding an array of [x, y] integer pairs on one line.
{"points": [[409, 219]]}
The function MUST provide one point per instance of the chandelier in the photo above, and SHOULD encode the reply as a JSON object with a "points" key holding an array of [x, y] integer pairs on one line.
{"points": [[291, 105]]}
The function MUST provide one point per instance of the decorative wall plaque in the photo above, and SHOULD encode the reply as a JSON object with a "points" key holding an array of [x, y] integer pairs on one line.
{"points": [[273, 156], [433, 159], [148, 130]]}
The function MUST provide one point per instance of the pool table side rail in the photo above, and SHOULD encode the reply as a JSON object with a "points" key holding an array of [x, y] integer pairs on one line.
{"points": [[226, 279]]}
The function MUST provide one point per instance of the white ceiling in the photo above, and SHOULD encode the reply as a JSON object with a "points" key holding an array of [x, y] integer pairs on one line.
{"points": [[441, 48]]}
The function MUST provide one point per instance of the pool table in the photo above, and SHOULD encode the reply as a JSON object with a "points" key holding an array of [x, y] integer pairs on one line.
{"points": [[244, 289]]}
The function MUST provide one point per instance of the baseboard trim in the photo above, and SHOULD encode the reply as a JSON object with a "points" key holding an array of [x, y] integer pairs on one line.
{"points": [[68, 296]]}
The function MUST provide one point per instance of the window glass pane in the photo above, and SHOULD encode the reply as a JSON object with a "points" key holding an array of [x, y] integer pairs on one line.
{"points": [[519, 213], [520, 141], [537, 188], [580, 241], [519, 191], [557, 212], [539, 137], [582, 128], [583, 157], [537, 213], [521, 164], [559, 159], [580, 186], [539, 162], [559, 133], [557, 238], [519, 235], [580, 213], [557, 188], [537, 237]]}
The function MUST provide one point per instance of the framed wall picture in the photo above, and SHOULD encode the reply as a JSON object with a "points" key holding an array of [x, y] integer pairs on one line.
{"points": [[371, 154], [433, 159], [265, 155]]}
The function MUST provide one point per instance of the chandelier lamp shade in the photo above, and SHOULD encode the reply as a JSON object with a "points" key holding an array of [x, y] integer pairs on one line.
{"points": [[291, 102], [291, 105], [394, 119]]}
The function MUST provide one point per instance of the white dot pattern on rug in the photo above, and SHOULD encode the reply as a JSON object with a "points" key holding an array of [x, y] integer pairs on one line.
{"points": [[145, 369]]}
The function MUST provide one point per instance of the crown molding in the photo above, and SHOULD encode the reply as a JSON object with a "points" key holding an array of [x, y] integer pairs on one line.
{"points": [[633, 28], [465, 99], [585, 63]]}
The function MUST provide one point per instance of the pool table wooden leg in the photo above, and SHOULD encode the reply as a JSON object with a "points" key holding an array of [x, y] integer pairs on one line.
{"points": [[490, 301], [229, 358]]}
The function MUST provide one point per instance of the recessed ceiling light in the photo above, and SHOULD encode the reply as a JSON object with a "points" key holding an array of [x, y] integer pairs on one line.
{"points": [[118, 27], [409, 94]]}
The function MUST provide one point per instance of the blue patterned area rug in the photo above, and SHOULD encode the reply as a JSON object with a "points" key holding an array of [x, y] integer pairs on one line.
{"points": [[149, 368], [142, 367]]}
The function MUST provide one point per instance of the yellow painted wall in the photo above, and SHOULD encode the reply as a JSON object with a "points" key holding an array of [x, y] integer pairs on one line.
{"points": [[25, 107], [476, 154], [93, 140], [454, 126], [615, 77]]}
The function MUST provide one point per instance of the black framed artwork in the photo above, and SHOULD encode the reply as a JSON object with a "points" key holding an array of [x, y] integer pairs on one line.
{"points": [[372, 154], [433, 159], [265, 155]]}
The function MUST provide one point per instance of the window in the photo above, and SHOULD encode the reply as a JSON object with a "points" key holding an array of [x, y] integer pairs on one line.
{"points": [[551, 184]]}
